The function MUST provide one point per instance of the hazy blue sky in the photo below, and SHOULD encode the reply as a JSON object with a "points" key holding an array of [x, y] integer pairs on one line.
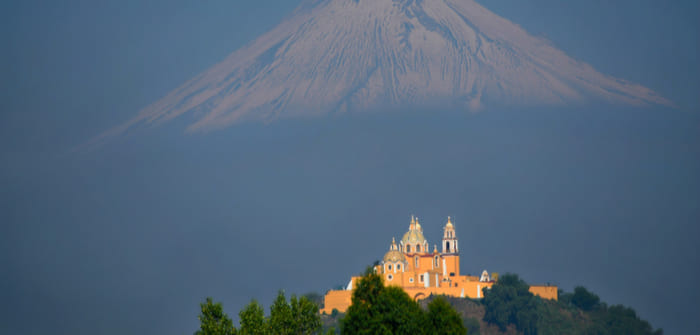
{"points": [[131, 237]]}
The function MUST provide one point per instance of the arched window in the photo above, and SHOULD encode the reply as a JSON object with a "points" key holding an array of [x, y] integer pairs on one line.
{"points": [[398, 266], [437, 263], [408, 248], [417, 247], [417, 262], [389, 266], [448, 247]]}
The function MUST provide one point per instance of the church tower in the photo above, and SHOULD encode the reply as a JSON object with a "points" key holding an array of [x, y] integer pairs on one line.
{"points": [[450, 250]]}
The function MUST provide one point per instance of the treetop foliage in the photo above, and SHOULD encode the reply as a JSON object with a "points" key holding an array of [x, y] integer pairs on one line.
{"points": [[377, 309], [252, 319], [584, 299], [299, 316], [213, 320]]}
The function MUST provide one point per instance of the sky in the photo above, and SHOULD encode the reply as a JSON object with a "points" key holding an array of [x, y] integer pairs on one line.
{"points": [[131, 237]]}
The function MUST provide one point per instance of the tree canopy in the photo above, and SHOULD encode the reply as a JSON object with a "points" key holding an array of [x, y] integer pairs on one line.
{"points": [[213, 320], [377, 309], [443, 319], [299, 316], [509, 301], [584, 299], [252, 319]]}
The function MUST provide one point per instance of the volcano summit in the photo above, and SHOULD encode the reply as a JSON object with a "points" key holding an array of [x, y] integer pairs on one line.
{"points": [[332, 56]]}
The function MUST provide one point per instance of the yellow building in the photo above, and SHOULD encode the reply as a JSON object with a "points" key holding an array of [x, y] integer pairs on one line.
{"points": [[411, 265]]}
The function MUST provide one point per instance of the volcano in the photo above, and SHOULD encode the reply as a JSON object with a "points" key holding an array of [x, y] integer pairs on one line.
{"points": [[334, 56]]}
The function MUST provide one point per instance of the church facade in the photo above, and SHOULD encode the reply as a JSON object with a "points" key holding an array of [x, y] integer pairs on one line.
{"points": [[411, 265]]}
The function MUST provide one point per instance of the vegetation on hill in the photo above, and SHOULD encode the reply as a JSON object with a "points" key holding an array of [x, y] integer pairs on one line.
{"points": [[507, 308], [509, 302]]}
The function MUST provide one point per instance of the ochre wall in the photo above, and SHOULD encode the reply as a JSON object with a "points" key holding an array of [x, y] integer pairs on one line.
{"points": [[339, 300], [452, 264], [546, 292]]}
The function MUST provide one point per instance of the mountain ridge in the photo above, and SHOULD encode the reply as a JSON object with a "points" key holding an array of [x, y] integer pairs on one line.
{"points": [[332, 56]]}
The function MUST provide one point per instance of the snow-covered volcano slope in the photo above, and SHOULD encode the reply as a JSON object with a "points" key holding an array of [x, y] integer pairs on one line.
{"points": [[335, 55]]}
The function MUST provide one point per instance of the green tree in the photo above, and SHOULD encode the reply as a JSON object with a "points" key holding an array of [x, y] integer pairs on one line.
{"points": [[443, 319], [362, 316], [281, 322], [399, 313], [305, 317], [252, 319], [619, 319], [213, 320], [376, 309], [584, 299], [509, 301]]}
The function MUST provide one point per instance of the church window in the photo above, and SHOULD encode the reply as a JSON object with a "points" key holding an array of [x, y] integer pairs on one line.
{"points": [[410, 280], [437, 263], [398, 266], [416, 262], [420, 279], [417, 247], [448, 246], [390, 277], [389, 266], [408, 248]]}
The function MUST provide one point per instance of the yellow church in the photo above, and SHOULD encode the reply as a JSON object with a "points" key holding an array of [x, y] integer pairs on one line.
{"points": [[411, 265]]}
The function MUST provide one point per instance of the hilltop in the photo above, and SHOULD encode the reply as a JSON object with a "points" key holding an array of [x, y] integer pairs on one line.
{"points": [[510, 309]]}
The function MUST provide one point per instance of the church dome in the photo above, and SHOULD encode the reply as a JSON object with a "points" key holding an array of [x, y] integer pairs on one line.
{"points": [[394, 255], [413, 236]]}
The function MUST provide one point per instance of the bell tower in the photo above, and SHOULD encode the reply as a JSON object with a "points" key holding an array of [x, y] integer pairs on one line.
{"points": [[450, 249], [449, 239]]}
